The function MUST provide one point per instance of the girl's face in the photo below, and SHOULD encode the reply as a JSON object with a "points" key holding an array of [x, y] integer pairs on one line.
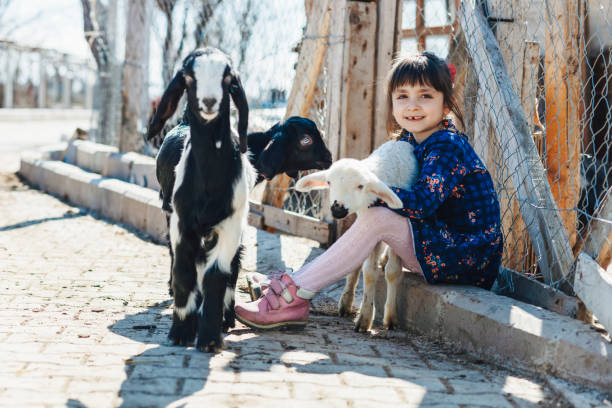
{"points": [[418, 109]]}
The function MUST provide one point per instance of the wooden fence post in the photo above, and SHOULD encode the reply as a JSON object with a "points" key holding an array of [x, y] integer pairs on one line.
{"points": [[386, 46], [563, 78], [358, 92]]}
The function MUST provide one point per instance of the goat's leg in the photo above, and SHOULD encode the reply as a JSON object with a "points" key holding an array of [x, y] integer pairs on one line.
{"points": [[170, 291], [370, 274], [186, 297], [229, 316], [210, 318], [345, 305], [393, 276]]}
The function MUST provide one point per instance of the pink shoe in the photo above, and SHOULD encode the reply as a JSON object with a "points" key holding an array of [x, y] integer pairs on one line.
{"points": [[258, 282], [283, 304]]}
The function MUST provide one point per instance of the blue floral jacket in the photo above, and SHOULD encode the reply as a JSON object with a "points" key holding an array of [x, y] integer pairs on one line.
{"points": [[454, 211]]}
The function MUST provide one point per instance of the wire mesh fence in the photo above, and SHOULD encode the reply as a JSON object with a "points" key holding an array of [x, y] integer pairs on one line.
{"points": [[553, 60]]}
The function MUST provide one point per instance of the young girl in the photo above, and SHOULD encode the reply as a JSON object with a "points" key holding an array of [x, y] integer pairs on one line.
{"points": [[449, 226]]}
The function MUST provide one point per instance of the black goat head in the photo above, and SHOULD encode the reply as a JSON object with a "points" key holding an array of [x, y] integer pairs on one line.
{"points": [[296, 144]]}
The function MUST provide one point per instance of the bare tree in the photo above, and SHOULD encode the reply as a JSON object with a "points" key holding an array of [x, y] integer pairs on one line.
{"points": [[97, 38], [207, 10], [247, 20], [170, 56], [134, 91]]}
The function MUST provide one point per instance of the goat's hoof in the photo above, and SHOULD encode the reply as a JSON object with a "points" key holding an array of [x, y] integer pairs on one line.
{"points": [[229, 320], [228, 324], [211, 346], [181, 335]]}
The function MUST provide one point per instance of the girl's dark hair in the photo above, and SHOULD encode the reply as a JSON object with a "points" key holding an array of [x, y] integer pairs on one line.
{"points": [[423, 69]]}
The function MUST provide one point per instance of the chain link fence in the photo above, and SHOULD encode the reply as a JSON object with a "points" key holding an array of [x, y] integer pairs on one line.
{"points": [[553, 62]]}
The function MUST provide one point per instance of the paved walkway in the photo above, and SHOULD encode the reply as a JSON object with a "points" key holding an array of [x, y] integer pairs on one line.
{"points": [[85, 313]]}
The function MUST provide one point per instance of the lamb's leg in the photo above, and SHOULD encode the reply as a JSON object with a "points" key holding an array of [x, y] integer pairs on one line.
{"points": [[210, 318], [393, 276], [186, 298], [229, 316], [345, 306], [370, 274]]}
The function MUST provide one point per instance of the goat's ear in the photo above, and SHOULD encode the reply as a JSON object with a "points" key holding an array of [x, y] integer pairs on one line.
{"points": [[167, 105], [273, 157], [314, 181], [380, 190], [240, 100]]}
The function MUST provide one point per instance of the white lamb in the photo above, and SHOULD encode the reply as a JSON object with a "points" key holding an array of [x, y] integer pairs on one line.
{"points": [[354, 185]]}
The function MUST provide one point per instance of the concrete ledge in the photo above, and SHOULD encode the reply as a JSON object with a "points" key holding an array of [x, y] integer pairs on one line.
{"points": [[92, 156], [119, 200], [502, 328], [133, 167], [106, 160]]}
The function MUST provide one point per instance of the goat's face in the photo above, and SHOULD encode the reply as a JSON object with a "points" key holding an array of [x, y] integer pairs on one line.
{"points": [[296, 145], [208, 76], [308, 150], [209, 80], [352, 187]]}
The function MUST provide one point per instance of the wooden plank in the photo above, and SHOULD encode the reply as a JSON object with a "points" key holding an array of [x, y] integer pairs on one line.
{"points": [[386, 47], [426, 31], [335, 86], [564, 53], [420, 24], [509, 122], [358, 92], [291, 222], [300, 99], [593, 285], [520, 287], [598, 236], [256, 217]]}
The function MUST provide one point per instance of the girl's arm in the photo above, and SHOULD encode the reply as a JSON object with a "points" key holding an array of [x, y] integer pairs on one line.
{"points": [[442, 170]]}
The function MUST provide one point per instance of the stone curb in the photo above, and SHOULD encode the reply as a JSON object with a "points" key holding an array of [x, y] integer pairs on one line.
{"points": [[119, 200], [501, 328], [478, 321]]}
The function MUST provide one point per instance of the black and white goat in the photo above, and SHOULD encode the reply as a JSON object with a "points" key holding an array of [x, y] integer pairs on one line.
{"points": [[209, 197]]}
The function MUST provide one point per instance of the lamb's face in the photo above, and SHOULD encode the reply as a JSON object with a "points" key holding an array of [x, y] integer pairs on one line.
{"points": [[353, 187], [349, 187], [208, 77]]}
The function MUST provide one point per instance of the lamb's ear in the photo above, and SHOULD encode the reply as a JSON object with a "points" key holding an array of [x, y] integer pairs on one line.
{"points": [[383, 192], [314, 181], [167, 105], [240, 100]]}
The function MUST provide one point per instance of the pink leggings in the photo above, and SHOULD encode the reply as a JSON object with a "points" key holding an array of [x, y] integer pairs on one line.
{"points": [[373, 225]]}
